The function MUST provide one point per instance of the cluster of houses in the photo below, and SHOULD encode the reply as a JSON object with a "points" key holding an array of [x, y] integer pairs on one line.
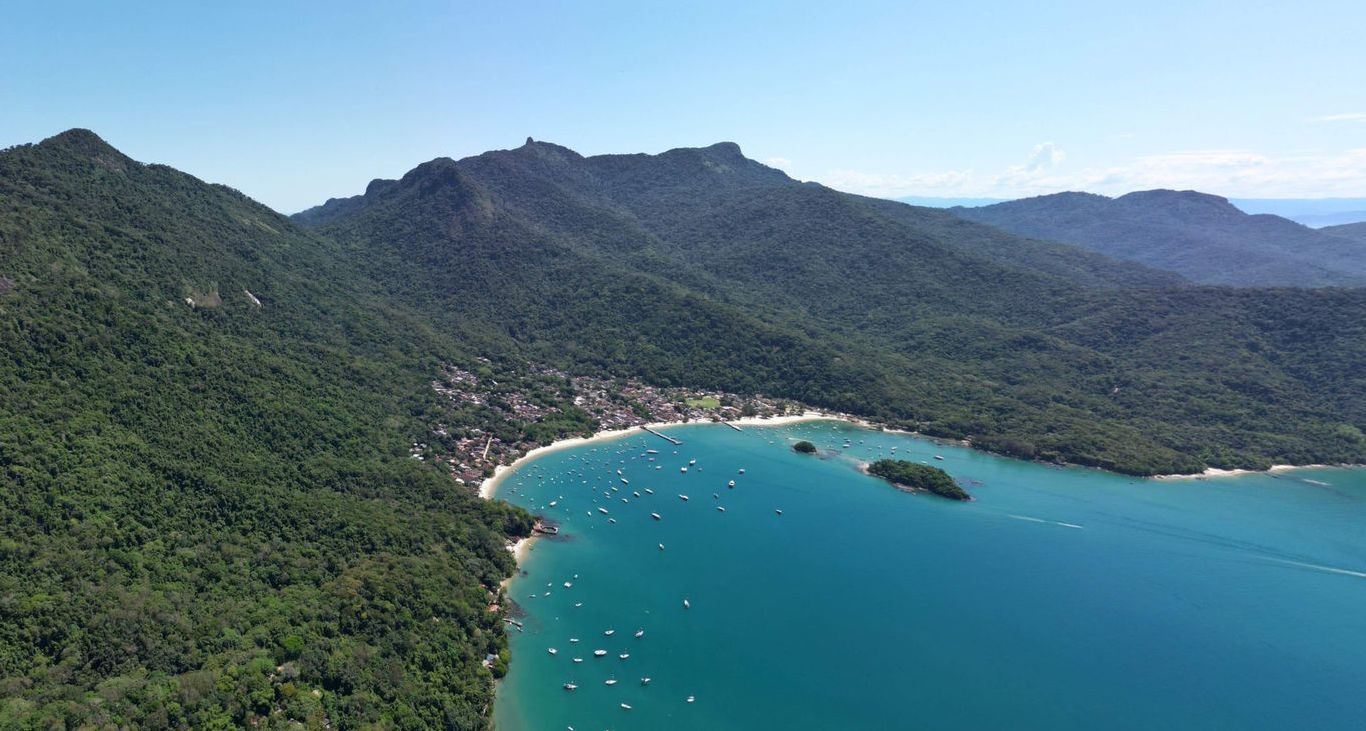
{"points": [[494, 416]]}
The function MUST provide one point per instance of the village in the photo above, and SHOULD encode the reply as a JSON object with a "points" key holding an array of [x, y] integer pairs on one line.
{"points": [[487, 422]]}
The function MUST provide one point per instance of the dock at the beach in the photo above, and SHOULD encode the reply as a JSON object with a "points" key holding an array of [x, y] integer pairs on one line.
{"points": [[666, 437]]}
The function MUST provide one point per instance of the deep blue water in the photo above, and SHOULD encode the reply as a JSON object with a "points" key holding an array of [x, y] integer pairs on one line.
{"points": [[1058, 599]]}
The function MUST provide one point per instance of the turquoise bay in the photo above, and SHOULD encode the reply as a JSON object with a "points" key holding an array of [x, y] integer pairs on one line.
{"points": [[1059, 598]]}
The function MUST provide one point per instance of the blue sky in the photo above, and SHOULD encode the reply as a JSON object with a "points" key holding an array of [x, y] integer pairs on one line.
{"points": [[293, 103]]}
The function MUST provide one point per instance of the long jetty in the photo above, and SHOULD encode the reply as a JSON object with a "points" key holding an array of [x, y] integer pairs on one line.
{"points": [[665, 437], [736, 428]]}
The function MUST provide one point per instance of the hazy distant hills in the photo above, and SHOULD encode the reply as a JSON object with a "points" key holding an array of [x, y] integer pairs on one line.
{"points": [[1201, 237], [1352, 232]]}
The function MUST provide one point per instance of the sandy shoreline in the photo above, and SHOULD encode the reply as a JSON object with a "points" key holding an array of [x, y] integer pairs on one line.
{"points": [[488, 489], [1274, 469], [520, 548]]}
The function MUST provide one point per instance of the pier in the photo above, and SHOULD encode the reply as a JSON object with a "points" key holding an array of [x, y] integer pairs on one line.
{"points": [[665, 437], [736, 428]]}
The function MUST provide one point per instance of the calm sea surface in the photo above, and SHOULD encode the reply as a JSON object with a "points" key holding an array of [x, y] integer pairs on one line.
{"points": [[1058, 599]]}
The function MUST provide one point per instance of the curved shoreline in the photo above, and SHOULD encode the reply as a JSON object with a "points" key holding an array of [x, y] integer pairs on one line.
{"points": [[520, 548]]}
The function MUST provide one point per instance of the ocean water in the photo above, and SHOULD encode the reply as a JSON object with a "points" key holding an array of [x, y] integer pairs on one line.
{"points": [[1058, 599]]}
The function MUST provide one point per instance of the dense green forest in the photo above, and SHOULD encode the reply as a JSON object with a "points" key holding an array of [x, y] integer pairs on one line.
{"points": [[704, 267], [210, 511], [918, 477], [208, 514]]}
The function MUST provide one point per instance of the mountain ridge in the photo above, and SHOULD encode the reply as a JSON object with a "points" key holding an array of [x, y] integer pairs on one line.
{"points": [[1197, 235]]}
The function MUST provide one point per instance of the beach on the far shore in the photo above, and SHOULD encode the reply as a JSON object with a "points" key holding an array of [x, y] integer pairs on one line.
{"points": [[488, 489]]}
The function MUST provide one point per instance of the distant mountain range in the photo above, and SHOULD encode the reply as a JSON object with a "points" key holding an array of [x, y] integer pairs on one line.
{"points": [[1199, 236], [1312, 212]]}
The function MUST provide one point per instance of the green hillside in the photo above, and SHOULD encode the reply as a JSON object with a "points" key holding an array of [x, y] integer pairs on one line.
{"points": [[701, 266], [209, 516]]}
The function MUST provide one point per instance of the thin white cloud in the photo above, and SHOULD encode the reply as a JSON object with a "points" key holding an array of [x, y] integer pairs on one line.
{"points": [[1354, 117], [1229, 172]]}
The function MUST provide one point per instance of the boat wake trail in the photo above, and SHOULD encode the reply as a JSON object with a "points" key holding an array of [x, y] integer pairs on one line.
{"points": [[1317, 567], [1041, 520]]}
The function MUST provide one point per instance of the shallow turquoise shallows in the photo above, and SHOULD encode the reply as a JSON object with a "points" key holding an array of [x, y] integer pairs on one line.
{"points": [[1058, 599]]}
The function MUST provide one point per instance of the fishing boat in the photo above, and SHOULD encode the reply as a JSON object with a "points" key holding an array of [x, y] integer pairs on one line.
{"points": [[687, 604], [731, 483], [625, 707], [570, 686], [648, 491], [568, 584], [778, 511], [610, 681], [652, 451], [655, 516], [551, 650], [574, 640], [684, 498], [599, 653], [682, 469], [609, 633], [661, 546], [603, 511], [644, 681], [640, 633], [624, 655], [578, 659], [742, 470], [720, 509], [637, 494], [692, 462], [939, 457]]}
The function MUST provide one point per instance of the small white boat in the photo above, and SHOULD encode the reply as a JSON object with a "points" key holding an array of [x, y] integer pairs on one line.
{"points": [[573, 640], [611, 520], [661, 546], [553, 503], [683, 498], [691, 698], [648, 491], [624, 655], [687, 604], [570, 686], [551, 650], [609, 633], [644, 681], [939, 457], [640, 633], [720, 509], [778, 511], [578, 604], [625, 481], [655, 516], [610, 681], [567, 584], [578, 659], [625, 707], [682, 469], [599, 653], [731, 483], [692, 462], [636, 494], [603, 511], [742, 470], [652, 451]]}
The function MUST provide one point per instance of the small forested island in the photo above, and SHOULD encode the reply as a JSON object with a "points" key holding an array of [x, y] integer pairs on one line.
{"points": [[805, 447], [918, 477]]}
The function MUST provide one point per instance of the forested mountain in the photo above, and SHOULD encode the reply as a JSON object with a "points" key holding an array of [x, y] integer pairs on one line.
{"points": [[1355, 232], [701, 266], [1201, 237], [208, 513]]}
